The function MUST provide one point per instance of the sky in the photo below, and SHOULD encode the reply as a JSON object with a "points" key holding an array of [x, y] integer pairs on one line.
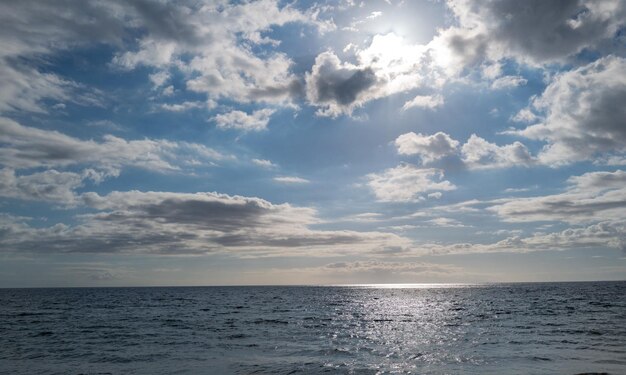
{"points": [[295, 142]]}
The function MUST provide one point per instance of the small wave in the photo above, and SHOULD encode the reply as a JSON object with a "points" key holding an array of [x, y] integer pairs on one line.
{"points": [[541, 359]]}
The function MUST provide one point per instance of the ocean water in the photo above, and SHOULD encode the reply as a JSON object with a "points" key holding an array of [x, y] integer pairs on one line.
{"points": [[539, 328]]}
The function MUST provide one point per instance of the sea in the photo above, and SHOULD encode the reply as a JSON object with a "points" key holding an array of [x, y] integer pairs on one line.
{"points": [[525, 328]]}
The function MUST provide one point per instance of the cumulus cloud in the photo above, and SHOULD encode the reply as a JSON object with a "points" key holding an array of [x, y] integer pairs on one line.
{"points": [[424, 101], [405, 182], [240, 120], [218, 38], [337, 86], [530, 31], [593, 196], [583, 113], [387, 66], [29, 147], [427, 147], [214, 38], [477, 153], [180, 224]]}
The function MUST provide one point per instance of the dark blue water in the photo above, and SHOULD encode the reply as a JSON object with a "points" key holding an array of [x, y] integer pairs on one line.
{"points": [[547, 328]]}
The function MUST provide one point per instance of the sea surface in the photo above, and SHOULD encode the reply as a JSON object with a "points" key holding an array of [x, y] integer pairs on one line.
{"points": [[536, 328]]}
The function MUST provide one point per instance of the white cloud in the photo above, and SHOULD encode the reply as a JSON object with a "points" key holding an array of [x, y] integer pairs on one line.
{"points": [[525, 115], [591, 197], [264, 163], [477, 153], [216, 40], [185, 106], [159, 78], [427, 147], [583, 113], [405, 182], [366, 217], [28, 147], [256, 121], [445, 222], [424, 101], [435, 195], [51, 185], [508, 82], [609, 234], [291, 180]]}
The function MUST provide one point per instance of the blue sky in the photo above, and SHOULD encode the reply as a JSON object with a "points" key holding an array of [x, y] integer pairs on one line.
{"points": [[265, 142]]}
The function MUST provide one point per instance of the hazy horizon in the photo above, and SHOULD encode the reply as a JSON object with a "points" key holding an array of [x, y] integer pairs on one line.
{"points": [[311, 143]]}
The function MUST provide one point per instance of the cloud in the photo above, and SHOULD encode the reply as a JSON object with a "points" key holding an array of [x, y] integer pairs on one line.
{"points": [[209, 44], [525, 115], [366, 217], [509, 28], [404, 182], [29, 147], [256, 121], [264, 163], [424, 101], [583, 113], [477, 153], [185, 106], [51, 185], [373, 267], [387, 66], [408, 270], [31, 31], [291, 180], [446, 222], [182, 224], [218, 38], [427, 147], [593, 196], [158, 79], [508, 82], [336, 86], [608, 234], [435, 195]]}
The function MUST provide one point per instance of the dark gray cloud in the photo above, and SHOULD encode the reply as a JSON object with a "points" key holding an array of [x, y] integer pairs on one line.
{"points": [[337, 85], [343, 85], [535, 30], [547, 30], [173, 223]]}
